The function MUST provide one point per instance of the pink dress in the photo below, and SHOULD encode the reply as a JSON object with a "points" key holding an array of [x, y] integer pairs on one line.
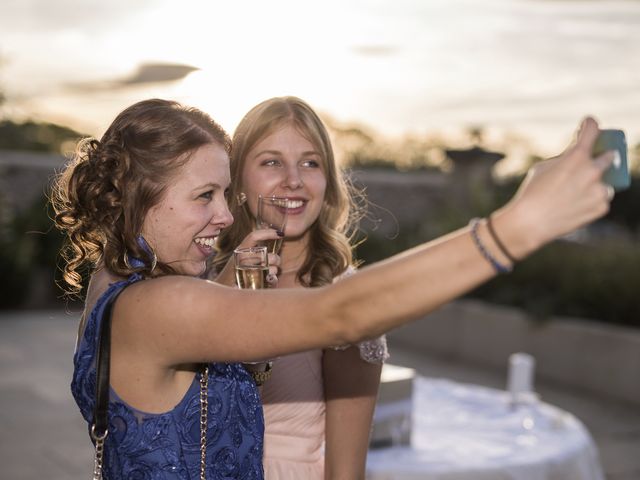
{"points": [[294, 411]]}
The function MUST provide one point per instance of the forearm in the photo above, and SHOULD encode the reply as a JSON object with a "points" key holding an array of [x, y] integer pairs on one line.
{"points": [[414, 283], [351, 387]]}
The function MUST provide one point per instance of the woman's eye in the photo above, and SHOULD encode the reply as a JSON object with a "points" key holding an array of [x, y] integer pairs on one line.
{"points": [[208, 195], [311, 163], [270, 163], [227, 194]]}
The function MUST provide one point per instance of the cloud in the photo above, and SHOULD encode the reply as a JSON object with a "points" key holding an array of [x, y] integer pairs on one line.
{"points": [[375, 50], [65, 15], [145, 74]]}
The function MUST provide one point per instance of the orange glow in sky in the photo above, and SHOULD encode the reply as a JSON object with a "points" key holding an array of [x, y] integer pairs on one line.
{"points": [[528, 66]]}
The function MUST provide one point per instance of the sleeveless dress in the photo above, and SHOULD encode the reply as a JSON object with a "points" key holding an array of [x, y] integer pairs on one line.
{"points": [[166, 446], [294, 411]]}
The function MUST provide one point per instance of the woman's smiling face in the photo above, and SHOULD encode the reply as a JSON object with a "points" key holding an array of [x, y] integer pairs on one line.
{"points": [[286, 164], [182, 228]]}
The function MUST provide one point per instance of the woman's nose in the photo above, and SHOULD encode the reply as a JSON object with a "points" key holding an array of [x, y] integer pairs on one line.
{"points": [[293, 179], [223, 216]]}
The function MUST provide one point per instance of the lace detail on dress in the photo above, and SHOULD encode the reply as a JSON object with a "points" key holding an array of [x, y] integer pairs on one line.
{"points": [[372, 351], [167, 446]]}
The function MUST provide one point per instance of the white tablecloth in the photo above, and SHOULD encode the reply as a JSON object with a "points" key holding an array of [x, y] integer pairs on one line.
{"points": [[463, 431]]}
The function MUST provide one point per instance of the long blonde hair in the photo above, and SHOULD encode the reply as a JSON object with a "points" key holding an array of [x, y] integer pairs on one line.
{"points": [[330, 251]]}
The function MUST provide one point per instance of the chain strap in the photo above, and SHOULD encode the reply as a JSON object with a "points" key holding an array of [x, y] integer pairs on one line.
{"points": [[99, 455], [204, 405]]}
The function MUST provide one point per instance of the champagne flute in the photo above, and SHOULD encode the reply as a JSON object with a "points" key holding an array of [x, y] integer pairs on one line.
{"points": [[252, 267], [272, 213]]}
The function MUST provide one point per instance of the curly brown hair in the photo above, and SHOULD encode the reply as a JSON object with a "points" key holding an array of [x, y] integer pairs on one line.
{"points": [[103, 194], [330, 249]]}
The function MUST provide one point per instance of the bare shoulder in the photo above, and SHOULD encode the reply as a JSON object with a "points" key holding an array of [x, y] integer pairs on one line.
{"points": [[171, 292], [174, 299], [98, 284]]}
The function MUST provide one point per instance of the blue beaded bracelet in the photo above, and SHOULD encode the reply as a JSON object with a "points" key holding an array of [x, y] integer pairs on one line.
{"points": [[498, 267]]}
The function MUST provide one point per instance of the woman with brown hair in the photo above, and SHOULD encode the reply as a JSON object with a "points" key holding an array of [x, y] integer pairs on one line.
{"points": [[142, 208]]}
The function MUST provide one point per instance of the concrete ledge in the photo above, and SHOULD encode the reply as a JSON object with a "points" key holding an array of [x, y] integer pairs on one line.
{"points": [[392, 417], [601, 358]]}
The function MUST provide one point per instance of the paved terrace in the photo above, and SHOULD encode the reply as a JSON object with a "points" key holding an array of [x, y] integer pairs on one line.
{"points": [[43, 435]]}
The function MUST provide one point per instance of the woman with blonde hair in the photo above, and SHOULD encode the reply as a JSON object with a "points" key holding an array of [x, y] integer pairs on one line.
{"points": [[281, 147], [142, 208]]}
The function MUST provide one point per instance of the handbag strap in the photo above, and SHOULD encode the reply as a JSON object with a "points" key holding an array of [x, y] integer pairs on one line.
{"points": [[100, 427], [101, 408]]}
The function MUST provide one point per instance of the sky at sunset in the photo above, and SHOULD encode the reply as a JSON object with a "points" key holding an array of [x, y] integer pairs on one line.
{"points": [[527, 67]]}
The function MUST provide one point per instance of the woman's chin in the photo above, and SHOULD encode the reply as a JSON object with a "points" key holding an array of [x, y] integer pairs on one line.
{"points": [[294, 235], [191, 269]]}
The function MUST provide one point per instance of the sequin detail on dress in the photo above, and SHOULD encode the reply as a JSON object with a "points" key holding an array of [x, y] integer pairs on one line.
{"points": [[166, 446], [372, 351]]}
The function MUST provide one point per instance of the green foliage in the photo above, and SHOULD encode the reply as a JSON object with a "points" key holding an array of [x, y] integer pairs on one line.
{"points": [[37, 137], [600, 282], [28, 244], [625, 208]]}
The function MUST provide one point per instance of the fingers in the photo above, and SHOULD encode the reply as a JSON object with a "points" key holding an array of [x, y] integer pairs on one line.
{"points": [[609, 192], [605, 160], [587, 134], [274, 260], [272, 277], [256, 237]]}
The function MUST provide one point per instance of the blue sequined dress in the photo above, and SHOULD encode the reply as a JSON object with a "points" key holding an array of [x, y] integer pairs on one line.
{"points": [[149, 446]]}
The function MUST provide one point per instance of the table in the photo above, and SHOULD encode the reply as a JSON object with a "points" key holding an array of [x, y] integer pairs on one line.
{"points": [[464, 431]]}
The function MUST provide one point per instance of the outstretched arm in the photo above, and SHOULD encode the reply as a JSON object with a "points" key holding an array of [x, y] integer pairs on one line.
{"points": [[189, 320]]}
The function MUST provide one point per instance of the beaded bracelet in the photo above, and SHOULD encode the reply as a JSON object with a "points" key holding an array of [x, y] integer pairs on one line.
{"points": [[498, 267], [496, 239]]}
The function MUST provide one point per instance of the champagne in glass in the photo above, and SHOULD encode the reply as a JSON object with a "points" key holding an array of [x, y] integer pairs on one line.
{"points": [[272, 213], [253, 277], [252, 267]]}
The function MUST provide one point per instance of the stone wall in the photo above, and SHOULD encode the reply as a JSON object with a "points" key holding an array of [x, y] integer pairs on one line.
{"points": [[597, 357]]}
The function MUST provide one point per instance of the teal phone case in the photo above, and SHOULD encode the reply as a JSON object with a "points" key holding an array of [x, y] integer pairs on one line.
{"points": [[617, 175]]}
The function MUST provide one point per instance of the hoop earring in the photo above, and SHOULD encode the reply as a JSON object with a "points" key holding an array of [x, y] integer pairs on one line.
{"points": [[125, 257], [139, 263], [154, 261], [147, 248], [135, 263]]}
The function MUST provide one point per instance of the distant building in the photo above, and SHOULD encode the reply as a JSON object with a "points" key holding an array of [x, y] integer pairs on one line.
{"points": [[472, 181], [426, 198]]}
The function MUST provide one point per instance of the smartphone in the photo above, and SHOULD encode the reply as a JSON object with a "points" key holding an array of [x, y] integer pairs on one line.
{"points": [[617, 175]]}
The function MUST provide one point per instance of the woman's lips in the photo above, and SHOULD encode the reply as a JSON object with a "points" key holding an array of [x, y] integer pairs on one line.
{"points": [[205, 244], [295, 206]]}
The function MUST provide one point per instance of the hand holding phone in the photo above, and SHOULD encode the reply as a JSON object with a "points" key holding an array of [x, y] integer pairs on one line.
{"points": [[617, 175]]}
